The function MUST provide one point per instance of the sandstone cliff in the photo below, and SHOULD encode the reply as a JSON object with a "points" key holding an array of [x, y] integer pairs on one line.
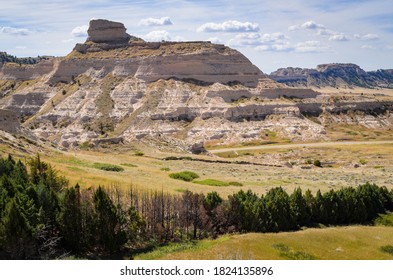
{"points": [[116, 88]]}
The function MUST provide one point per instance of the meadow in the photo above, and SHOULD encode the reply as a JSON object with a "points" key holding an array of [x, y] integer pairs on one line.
{"points": [[333, 243]]}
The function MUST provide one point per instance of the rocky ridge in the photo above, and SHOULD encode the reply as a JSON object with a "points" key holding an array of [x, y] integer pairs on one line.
{"points": [[334, 75], [116, 88]]}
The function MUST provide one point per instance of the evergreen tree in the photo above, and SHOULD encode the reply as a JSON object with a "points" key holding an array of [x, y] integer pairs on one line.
{"points": [[70, 219], [299, 208], [281, 217], [110, 231]]}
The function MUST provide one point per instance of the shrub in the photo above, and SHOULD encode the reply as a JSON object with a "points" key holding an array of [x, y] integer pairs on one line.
{"points": [[165, 169], [362, 161], [317, 163], [384, 220], [139, 153], [108, 167], [187, 176]]}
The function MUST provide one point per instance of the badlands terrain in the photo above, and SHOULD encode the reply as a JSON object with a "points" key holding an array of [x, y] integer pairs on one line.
{"points": [[121, 100], [151, 109]]}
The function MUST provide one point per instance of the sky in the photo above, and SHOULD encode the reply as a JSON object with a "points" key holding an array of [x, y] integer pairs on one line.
{"points": [[271, 34]]}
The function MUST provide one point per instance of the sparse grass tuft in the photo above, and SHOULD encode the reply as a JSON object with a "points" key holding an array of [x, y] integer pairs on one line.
{"points": [[108, 167], [186, 176], [165, 169], [362, 161], [139, 153], [387, 249], [235, 184], [212, 182], [286, 252]]}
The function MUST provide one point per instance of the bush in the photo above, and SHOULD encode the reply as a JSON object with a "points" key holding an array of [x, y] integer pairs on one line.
{"points": [[317, 163], [165, 169], [384, 220], [139, 153], [362, 161], [187, 176], [108, 167]]}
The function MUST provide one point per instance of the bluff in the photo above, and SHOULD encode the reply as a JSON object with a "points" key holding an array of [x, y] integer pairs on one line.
{"points": [[117, 88], [109, 49], [334, 75]]}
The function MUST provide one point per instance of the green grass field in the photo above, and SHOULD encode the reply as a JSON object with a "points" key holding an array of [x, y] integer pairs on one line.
{"points": [[335, 243]]}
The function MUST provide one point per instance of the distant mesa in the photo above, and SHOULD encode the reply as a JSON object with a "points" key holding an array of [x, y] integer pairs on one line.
{"points": [[105, 31]]}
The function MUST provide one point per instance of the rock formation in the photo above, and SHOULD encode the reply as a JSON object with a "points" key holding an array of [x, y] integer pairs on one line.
{"points": [[105, 31], [334, 75], [116, 88]]}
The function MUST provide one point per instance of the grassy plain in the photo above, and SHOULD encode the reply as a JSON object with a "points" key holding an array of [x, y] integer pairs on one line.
{"points": [[335, 243], [258, 170]]}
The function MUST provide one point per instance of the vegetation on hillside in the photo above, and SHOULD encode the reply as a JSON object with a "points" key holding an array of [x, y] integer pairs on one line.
{"points": [[4, 58], [41, 217]]}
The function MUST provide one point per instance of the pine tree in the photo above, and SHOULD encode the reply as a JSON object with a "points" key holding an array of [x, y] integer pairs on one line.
{"points": [[70, 219], [110, 231]]}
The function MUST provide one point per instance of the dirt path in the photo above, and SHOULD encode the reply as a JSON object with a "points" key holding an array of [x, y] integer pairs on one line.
{"points": [[299, 145]]}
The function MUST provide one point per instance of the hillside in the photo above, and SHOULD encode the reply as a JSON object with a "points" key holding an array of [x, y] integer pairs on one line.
{"points": [[118, 89], [338, 75]]}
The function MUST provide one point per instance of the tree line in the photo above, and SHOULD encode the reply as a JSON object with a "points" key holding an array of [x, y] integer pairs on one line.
{"points": [[41, 217]]}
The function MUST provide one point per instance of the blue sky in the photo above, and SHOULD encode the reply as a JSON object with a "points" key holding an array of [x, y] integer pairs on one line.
{"points": [[272, 34]]}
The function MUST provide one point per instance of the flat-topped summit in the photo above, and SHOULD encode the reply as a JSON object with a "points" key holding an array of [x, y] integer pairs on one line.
{"points": [[105, 31], [109, 49]]}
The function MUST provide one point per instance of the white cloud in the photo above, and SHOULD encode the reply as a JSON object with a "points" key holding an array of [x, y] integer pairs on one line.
{"points": [[370, 37], [281, 47], [338, 37], [14, 31], [80, 31], [307, 25], [229, 26], [20, 47], [256, 39], [311, 47], [273, 37], [293, 27], [326, 32], [312, 25], [158, 35], [156, 21], [250, 36]]}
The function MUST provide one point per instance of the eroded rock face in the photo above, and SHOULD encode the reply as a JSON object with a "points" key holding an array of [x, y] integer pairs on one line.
{"points": [[9, 121], [105, 31]]}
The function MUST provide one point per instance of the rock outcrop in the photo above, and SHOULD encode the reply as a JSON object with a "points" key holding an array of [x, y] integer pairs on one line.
{"points": [[334, 75], [116, 89], [109, 49], [105, 31]]}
